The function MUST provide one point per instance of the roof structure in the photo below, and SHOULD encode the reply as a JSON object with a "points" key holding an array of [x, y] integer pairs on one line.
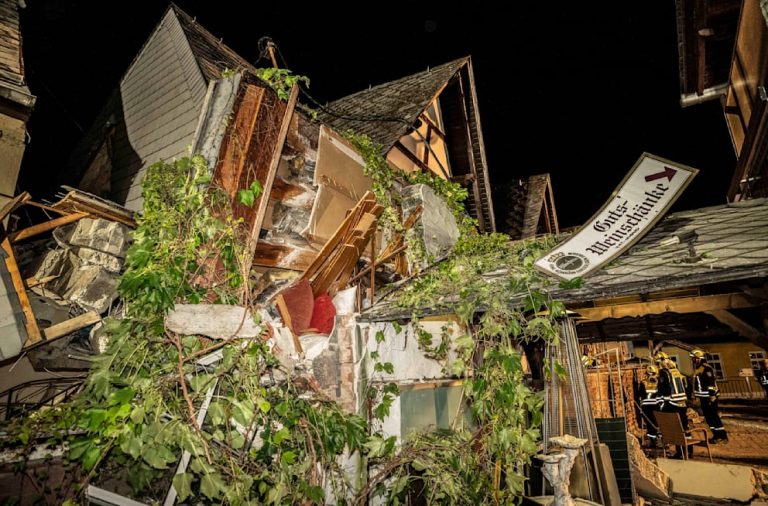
{"points": [[13, 85], [386, 112], [686, 249]]}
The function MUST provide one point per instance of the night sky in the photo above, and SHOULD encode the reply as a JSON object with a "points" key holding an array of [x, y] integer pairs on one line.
{"points": [[578, 90]]}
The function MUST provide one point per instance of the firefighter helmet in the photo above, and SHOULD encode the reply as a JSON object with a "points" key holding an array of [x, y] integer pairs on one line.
{"points": [[697, 353], [652, 370], [587, 361], [661, 356]]}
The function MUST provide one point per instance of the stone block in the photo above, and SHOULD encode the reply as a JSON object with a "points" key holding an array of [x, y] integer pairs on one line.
{"points": [[436, 226], [98, 234]]}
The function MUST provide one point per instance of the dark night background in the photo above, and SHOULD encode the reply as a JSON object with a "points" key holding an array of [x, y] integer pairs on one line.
{"points": [[579, 90]]}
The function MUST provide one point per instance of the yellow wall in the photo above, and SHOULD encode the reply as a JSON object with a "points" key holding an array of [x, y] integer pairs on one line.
{"points": [[414, 142], [734, 356]]}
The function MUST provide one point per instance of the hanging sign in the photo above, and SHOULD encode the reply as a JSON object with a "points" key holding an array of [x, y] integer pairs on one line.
{"points": [[641, 199]]}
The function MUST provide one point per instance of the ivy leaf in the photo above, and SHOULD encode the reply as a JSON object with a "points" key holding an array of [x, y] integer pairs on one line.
{"points": [[288, 457], [97, 417], [137, 415], [388, 367], [374, 355], [281, 435], [199, 381], [571, 284], [216, 413], [236, 440], [264, 406], [211, 485], [78, 447], [246, 197], [121, 396], [90, 458], [134, 446], [379, 336], [397, 327], [182, 482], [256, 188]]}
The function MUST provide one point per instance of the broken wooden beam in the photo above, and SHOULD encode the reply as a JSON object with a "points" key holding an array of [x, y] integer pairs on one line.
{"points": [[14, 203], [219, 321], [42, 228], [281, 256], [702, 303], [68, 326], [30, 322], [291, 195]]}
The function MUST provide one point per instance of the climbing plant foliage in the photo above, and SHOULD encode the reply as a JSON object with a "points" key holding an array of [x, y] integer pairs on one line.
{"points": [[262, 441], [483, 463]]}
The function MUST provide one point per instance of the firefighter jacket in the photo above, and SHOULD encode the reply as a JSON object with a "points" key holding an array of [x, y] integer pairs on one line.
{"points": [[647, 392], [705, 382], [672, 387]]}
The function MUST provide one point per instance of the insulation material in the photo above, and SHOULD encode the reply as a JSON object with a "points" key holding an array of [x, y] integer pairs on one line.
{"points": [[605, 394]]}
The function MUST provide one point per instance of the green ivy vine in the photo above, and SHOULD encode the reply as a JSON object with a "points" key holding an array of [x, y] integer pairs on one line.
{"points": [[263, 441]]}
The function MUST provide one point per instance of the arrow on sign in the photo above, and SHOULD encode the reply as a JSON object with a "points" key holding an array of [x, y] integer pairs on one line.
{"points": [[668, 173]]}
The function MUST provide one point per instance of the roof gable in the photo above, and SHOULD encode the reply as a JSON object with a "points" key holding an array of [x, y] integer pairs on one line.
{"points": [[386, 112]]}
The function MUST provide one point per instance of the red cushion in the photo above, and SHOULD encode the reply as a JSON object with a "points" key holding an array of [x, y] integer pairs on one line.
{"points": [[299, 302], [323, 314]]}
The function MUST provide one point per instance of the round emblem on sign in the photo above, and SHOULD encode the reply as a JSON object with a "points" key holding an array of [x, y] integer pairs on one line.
{"points": [[570, 263]]}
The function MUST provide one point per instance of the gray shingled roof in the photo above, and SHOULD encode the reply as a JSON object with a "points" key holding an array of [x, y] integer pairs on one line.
{"points": [[397, 103], [731, 244], [12, 80], [212, 55]]}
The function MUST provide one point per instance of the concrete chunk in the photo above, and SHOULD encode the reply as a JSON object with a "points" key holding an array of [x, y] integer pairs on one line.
{"points": [[436, 226], [97, 234], [703, 479], [218, 321]]}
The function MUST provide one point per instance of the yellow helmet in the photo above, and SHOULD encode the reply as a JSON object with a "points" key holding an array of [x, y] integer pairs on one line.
{"points": [[587, 361], [697, 353], [661, 356], [652, 370], [670, 364]]}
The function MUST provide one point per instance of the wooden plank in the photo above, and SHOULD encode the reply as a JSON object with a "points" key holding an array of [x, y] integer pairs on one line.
{"points": [[67, 327], [413, 158], [282, 257], [48, 208], [33, 281], [378, 263], [290, 194], [334, 241], [740, 326], [267, 181], [45, 227], [14, 203], [703, 303], [30, 323], [285, 315]]}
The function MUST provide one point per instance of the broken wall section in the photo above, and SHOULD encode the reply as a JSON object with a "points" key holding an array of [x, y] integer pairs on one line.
{"points": [[82, 264]]}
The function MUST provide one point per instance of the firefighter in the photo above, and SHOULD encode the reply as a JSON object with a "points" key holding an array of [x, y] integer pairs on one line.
{"points": [[762, 376], [706, 391], [671, 393], [647, 393]]}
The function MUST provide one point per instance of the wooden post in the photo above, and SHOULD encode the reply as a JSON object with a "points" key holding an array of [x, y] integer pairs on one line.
{"points": [[373, 265], [30, 323], [45, 227]]}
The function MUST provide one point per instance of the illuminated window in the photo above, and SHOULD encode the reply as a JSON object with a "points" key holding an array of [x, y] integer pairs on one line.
{"points": [[756, 359], [716, 362]]}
